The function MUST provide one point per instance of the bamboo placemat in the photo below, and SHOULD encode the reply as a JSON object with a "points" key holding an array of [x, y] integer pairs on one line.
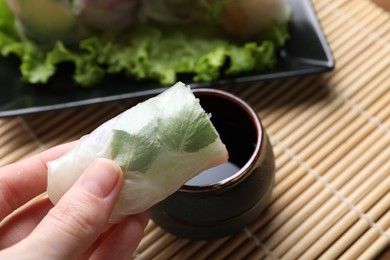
{"points": [[331, 138]]}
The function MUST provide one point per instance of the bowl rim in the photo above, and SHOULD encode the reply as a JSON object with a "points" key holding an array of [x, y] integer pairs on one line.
{"points": [[252, 161]]}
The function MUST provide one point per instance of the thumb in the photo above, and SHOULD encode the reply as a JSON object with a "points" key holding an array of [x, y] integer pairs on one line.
{"points": [[82, 213]]}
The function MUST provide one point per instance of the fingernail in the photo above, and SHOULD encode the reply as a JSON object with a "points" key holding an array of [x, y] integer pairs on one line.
{"points": [[101, 178]]}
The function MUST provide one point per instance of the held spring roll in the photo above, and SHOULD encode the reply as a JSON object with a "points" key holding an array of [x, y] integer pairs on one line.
{"points": [[160, 144]]}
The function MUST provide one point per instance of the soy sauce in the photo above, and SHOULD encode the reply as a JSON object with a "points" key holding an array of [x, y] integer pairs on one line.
{"points": [[214, 175]]}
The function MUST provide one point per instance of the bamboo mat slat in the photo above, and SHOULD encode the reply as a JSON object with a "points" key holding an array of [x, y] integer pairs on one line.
{"points": [[331, 138]]}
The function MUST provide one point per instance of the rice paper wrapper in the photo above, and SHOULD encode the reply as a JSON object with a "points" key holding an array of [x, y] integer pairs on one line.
{"points": [[160, 144]]}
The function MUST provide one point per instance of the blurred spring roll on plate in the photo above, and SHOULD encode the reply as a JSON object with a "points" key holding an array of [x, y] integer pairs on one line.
{"points": [[143, 39], [247, 18]]}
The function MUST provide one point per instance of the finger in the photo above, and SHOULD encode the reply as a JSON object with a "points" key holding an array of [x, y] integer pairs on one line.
{"points": [[123, 240], [24, 180], [80, 216], [23, 222]]}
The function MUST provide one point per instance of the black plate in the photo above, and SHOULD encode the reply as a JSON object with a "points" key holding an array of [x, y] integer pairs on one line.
{"points": [[306, 52]]}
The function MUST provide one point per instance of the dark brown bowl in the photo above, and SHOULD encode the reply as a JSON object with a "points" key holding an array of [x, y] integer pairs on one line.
{"points": [[207, 209]]}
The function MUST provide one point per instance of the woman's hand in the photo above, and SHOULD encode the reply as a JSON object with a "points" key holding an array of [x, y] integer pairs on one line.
{"points": [[77, 226]]}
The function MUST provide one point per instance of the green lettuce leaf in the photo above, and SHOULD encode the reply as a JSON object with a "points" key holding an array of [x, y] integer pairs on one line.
{"points": [[7, 21], [185, 128], [172, 123], [135, 144], [125, 152]]}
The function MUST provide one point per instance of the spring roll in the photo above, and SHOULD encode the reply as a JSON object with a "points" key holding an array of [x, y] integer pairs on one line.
{"points": [[160, 144]]}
